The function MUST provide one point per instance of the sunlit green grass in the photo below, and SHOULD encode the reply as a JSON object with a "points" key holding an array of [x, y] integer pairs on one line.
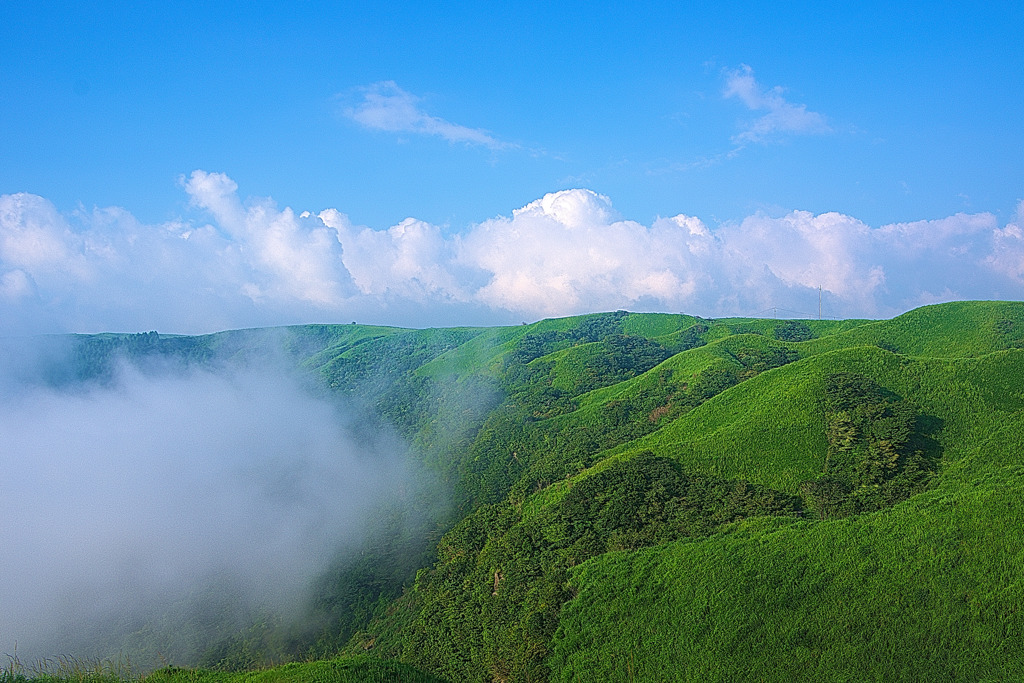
{"points": [[928, 590]]}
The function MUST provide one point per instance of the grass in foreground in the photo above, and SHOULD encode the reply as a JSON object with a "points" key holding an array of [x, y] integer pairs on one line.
{"points": [[343, 670]]}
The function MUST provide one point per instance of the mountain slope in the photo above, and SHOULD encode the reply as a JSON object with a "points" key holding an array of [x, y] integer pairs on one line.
{"points": [[930, 589], [666, 497], [501, 588]]}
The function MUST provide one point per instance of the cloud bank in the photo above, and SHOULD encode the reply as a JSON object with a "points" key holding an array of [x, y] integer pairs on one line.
{"points": [[568, 252]]}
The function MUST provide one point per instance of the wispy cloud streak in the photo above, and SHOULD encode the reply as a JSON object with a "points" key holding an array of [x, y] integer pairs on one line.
{"points": [[781, 118], [387, 107]]}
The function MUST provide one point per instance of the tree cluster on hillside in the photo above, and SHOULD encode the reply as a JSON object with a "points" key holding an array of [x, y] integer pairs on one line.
{"points": [[490, 605], [793, 331], [877, 449]]}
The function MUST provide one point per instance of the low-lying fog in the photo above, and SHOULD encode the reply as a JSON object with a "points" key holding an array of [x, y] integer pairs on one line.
{"points": [[125, 499]]}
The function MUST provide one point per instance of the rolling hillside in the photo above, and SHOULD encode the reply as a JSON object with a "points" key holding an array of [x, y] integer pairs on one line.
{"points": [[664, 497]]}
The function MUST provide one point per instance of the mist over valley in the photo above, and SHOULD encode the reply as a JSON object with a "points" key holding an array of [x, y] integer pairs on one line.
{"points": [[151, 496]]}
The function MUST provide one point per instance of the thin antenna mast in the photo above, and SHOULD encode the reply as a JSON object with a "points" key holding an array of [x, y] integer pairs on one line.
{"points": [[819, 302]]}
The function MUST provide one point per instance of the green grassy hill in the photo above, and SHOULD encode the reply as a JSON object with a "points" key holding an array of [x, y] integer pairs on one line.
{"points": [[520, 593], [930, 589], [664, 497]]}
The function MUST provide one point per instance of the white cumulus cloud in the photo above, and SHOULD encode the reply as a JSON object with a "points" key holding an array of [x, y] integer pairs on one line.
{"points": [[409, 260], [288, 260], [570, 251], [1008, 249]]}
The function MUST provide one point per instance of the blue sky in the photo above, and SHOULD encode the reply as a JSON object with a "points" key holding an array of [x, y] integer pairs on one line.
{"points": [[876, 151]]}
